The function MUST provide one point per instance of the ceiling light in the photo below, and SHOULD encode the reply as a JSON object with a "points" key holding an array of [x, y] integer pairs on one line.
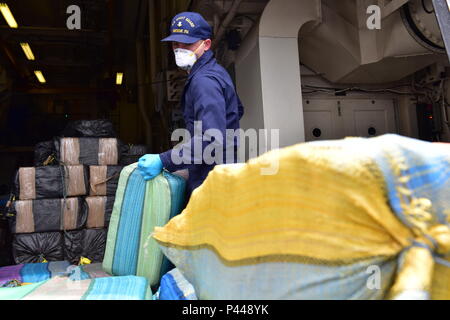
{"points": [[7, 14], [27, 50], [40, 76], [119, 78]]}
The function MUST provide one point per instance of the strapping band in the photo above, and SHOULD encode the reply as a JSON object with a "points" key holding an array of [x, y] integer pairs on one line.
{"points": [[107, 151], [27, 183], [96, 212], [24, 217]]}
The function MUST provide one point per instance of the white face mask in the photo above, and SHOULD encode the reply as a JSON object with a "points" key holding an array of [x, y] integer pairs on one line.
{"points": [[185, 59]]}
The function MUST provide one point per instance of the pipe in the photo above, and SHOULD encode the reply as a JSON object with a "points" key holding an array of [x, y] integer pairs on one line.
{"points": [[141, 93], [230, 16], [110, 54], [152, 35], [445, 121], [140, 61], [155, 60], [216, 24]]}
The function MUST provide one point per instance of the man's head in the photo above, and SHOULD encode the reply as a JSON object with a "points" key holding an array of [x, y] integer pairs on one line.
{"points": [[189, 31], [199, 47]]}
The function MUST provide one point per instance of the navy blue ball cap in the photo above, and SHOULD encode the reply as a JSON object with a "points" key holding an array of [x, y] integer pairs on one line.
{"points": [[189, 27]]}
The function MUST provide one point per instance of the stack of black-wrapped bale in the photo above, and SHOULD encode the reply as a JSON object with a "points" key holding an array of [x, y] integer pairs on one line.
{"points": [[48, 201], [62, 210]]}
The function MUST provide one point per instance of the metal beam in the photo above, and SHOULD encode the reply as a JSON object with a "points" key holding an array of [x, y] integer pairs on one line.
{"points": [[109, 58], [53, 32], [230, 15], [391, 7], [17, 67], [442, 11], [65, 90], [61, 63], [55, 41], [140, 63]]}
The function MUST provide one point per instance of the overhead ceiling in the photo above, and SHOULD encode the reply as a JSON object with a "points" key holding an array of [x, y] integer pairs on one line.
{"points": [[90, 57], [83, 58]]}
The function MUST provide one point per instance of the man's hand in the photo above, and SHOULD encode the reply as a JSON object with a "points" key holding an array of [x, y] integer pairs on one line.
{"points": [[150, 166]]}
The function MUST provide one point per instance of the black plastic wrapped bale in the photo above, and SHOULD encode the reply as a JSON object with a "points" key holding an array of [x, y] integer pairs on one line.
{"points": [[103, 180], [48, 215], [88, 243], [38, 247], [5, 242], [51, 182], [100, 128], [99, 210], [44, 153], [132, 153], [88, 151]]}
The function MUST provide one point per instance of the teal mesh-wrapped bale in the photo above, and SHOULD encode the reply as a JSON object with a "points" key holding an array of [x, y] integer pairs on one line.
{"points": [[36, 272], [138, 208], [63, 288]]}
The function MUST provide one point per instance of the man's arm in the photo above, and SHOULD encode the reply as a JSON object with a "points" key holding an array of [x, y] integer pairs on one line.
{"points": [[210, 110]]}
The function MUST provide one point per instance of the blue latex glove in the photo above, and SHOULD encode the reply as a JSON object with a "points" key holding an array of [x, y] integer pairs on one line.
{"points": [[150, 166]]}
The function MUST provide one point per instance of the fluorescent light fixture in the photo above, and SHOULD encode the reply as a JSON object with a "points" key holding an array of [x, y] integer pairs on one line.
{"points": [[7, 14], [119, 78], [27, 50], [40, 76]]}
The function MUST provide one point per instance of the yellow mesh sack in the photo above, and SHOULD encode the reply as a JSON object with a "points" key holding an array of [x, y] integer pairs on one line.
{"points": [[329, 203]]}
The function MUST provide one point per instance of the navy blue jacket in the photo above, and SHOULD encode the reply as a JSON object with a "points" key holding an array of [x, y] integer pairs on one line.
{"points": [[209, 96]]}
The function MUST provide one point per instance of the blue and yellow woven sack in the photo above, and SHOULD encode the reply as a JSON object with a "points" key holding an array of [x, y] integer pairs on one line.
{"points": [[175, 287], [348, 219]]}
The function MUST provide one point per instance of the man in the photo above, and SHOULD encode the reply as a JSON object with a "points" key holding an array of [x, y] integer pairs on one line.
{"points": [[209, 100]]}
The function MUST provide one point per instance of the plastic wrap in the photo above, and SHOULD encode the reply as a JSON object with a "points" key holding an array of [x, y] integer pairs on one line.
{"points": [[50, 182], [88, 151], [94, 244], [100, 128], [35, 247], [99, 210], [132, 153], [48, 215], [42, 152], [104, 180], [5, 243], [88, 243]]}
